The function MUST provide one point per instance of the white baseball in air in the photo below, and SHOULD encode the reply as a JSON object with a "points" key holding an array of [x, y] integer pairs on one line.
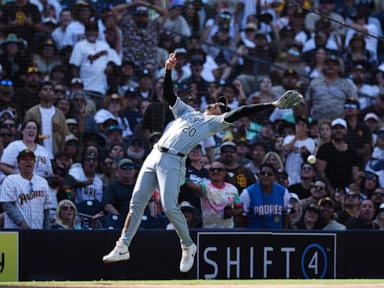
{"points": [[311, 159]]}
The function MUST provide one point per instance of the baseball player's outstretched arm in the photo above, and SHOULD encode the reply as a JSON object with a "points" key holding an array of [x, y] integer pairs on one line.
{"points": [[289, 99], [246, 110], [168, 94]]}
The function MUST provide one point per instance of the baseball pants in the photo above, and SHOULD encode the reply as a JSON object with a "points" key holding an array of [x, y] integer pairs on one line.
{"points": [[165, 171]]}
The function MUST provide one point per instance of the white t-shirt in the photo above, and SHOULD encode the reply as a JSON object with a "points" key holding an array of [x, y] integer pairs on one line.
{"points": [[74, 33], [92, 58], [213, 202], [294, 159], [90, 192], [43, 166], [31, 198], [47, 128], [58, 36]]}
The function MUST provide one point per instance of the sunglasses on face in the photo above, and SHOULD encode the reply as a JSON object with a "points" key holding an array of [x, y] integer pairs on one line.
{"points": [[68, 208], [216, 170], [266, 173]]}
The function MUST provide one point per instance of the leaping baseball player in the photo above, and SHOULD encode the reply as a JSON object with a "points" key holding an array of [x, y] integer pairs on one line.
{"points": [[164, 168]]}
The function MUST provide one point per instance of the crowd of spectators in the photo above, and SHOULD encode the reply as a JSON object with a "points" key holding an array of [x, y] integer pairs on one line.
{"points": [[81, 87]]}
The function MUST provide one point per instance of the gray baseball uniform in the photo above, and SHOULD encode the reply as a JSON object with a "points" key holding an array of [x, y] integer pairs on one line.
{"points": [[166, 171], [164, 168]]}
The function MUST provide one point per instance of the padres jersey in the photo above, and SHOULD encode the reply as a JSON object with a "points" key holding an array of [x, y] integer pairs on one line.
{"points": [[190, 127], [31, 198], [90, 192], [43, 166], [265, 210], [213, 202]]}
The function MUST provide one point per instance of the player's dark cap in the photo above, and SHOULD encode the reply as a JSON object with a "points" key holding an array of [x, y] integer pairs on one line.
{"points": [[141, 10], [126, 163], [25, 153], [224, 108], [326, 200], [225, 15]]}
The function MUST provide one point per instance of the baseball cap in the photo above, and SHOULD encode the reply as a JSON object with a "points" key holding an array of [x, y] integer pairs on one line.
{"points": [[142, 10], [125, 162], [33, 69], [115, 96], [90, 155], [371, 116], [326, 200], [47, 20], [301, 119], [145, 73], [313, 207], [25, 153], [294, 196], [251, 26], [180, 50], [196, 59], [71, 137], [290, 72], [228, 144], [333, 58], [340, 122], [381, 207], [71, 121], [186, 206], [76, 80]]}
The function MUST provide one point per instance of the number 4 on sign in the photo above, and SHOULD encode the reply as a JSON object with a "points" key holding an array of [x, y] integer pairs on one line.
{"points": [[313, 264]]}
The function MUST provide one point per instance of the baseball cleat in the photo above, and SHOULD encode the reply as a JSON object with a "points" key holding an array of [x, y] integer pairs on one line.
{"points": [[119, 253], [187, 257]]}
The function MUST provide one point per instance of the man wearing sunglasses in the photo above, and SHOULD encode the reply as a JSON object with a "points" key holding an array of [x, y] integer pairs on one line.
{"points": [[24, 196], [220, 200], [117, 195], [266, 202], [165, 165]]}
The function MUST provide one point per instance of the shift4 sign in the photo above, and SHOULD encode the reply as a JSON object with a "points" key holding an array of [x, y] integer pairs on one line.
{"points": [[265, 255], [9, 256]]}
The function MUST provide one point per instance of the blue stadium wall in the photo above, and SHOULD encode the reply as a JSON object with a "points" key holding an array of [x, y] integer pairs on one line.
{"points": [[240, 254]]}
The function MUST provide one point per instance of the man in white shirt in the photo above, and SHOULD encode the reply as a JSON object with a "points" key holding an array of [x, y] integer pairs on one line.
{"points": [[50, 119], [59, 32], [90, 58]]}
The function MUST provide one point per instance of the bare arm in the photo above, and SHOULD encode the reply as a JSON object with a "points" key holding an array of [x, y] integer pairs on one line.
{"points": [[109, 208], [320, 166]]}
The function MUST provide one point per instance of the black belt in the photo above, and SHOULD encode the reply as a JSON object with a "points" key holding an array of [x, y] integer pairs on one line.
{"points": [[165, 150]]}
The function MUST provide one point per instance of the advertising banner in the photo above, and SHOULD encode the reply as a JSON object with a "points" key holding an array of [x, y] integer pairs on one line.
{"points": [[264, 255], [9, 256]]}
